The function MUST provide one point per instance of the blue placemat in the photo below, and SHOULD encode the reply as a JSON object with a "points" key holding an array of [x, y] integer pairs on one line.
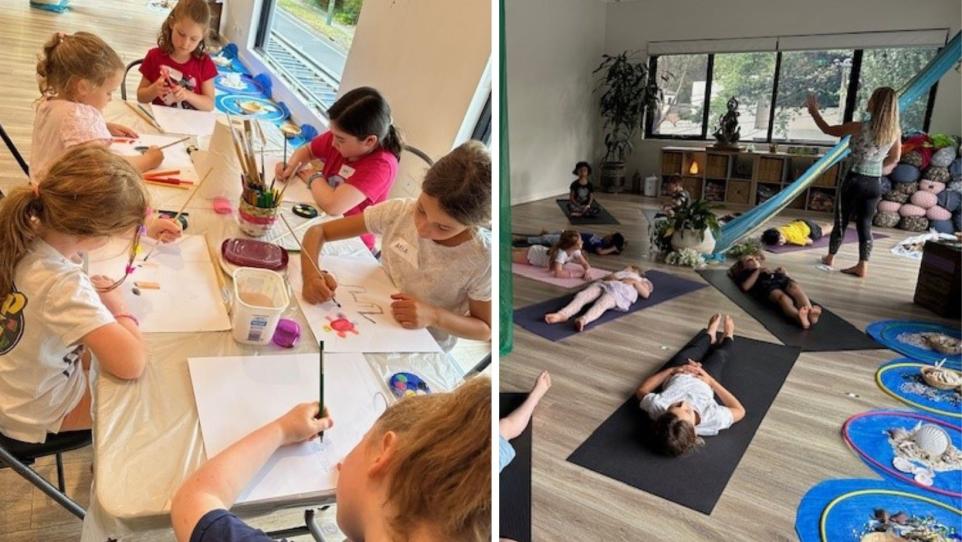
{"points": [[887, 332], [902, 379]]}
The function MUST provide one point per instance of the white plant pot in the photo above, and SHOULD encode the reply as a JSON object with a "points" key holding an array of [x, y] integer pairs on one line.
{"points": [[702, 242]]}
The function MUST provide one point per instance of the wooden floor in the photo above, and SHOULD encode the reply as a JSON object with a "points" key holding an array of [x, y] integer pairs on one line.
{"points": [[130, 27], [796, 446]]}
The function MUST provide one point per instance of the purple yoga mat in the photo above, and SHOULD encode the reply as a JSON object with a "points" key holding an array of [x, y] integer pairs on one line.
{"points": [[851, 236], [667, 286]]}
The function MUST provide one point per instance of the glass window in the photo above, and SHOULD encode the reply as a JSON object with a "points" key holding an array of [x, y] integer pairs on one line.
{"points": [[893, 68], [682, 79], [822, 73], [748, 77], [308, 41]]}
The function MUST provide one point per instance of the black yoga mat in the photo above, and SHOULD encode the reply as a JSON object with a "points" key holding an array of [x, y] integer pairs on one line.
{"points": [[831, 333], [620, 447], [515, 490], [667, 286], [603, 216]]}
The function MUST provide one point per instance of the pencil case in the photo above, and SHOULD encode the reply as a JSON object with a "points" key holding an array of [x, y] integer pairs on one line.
{"points": [[253, 253]]}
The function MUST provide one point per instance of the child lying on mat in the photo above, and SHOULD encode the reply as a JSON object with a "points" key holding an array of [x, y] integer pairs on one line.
{"points": [[567, 248], [684, 410], [801, 232], [613, 243], [776, 287], [513, 424], [616, 291]]}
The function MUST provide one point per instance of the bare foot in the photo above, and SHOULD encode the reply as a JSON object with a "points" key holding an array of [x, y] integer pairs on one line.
{"points": [[555, 317], [541, 385], [803, 317], [858, 270], [828, 259], [579, 324], [713, 326], [815, 314], [729, 326]]}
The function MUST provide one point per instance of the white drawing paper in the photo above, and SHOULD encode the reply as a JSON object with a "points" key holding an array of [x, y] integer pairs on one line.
{"points": [[188, 299], [364, 322], [174, 120], [175, 156], [237, 395]]}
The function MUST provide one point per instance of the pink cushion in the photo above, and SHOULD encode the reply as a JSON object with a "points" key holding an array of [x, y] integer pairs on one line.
{"points": [[938, 213], [924, 199], [888, 206], [931, 186], [911, 210]]}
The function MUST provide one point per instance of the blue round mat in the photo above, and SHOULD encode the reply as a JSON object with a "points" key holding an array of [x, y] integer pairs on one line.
{"points": [[886, 332], [251, 87], [901, 378], [867, 435], [843, 510], [230, 103]]}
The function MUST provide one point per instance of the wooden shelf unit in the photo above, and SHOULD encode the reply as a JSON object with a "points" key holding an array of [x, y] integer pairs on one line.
{"points": [[747, 178]]}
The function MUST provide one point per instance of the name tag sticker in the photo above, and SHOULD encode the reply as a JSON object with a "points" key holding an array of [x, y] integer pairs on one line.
{"points": [[406, 251], [346, 172]]}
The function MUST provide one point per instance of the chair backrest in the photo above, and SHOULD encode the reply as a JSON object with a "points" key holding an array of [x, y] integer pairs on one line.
{"points": [[13, 150], [420, 154], [123, 83]]}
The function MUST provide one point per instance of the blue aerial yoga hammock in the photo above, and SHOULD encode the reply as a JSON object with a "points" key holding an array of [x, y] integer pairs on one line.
{"points": [[753, 219]]}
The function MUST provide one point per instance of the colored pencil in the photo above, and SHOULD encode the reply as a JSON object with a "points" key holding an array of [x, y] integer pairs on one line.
{"points": [[320, 414]]}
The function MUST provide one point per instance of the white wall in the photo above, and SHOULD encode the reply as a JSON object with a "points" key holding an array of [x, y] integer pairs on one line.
{"points": [[552, 47], [631, 25], [428, 57]]}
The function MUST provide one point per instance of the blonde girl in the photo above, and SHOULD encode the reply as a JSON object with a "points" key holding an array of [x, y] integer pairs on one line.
{"points": [[77, 75], [53, 317], [875, 151], [422, 472], [566, 249], [179, 72], [616, 291]]}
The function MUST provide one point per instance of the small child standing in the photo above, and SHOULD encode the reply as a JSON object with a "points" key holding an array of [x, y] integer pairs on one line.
{"points": [[678, 197], [567, 248], [581, 197], [616, 291], [775, 287], [54, 317], [77, 75], [179, 72]]}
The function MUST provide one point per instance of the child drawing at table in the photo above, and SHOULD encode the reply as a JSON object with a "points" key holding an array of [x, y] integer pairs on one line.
{"points": [[78, 74], [422, 472], [352, 166], [179, 72], [436, 249], [617, 291], [566, 249], [53, 317], [775, 287]]}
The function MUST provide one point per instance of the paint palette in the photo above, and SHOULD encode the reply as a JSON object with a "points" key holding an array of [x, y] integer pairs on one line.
{"points": [[237, 83], [408, 384], [252, 106]]}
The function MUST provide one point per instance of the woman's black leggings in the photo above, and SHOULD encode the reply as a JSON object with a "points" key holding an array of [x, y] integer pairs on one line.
{"points": [[712, 357], [858, 198]]}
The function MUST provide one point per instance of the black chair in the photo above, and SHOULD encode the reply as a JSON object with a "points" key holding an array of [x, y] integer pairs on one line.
{"points": [[123, 83], [419, 153], [19, 455], [13, 150]]}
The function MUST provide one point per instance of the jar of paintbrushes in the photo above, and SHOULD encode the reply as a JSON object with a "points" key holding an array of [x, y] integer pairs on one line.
{"points": [[260, 201]]}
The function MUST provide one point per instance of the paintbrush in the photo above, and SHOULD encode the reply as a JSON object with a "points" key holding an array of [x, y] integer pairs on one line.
{"points": [[314, 265], [191, 196], [171, 144], [321, 386], [294, 179], [140, 112]]}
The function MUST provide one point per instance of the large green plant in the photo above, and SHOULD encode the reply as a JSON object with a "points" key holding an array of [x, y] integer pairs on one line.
{"points": [[696, 215], [626, 90]]}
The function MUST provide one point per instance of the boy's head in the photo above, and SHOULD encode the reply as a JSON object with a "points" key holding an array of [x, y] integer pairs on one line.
{"points": [[673, 184], [582, 169], [675, 431], [772, 236], [456, 193], [425, 465], [615, 240]]}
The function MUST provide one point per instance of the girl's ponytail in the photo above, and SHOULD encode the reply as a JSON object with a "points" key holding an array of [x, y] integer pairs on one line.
{"points": [[392, 142], [18, 219]]}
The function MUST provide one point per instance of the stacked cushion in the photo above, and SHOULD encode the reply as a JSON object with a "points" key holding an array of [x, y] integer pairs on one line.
{"points": [[923, 199], [931, 186], [889, 206], [909, 210], [943, 157], [905, 173], [897, 197], [950, 200], [914, 223], [938, 174], [886, 219]]}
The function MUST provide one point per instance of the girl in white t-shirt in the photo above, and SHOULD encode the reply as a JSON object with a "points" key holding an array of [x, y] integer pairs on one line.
{"points": [[567, 249], [435, 248], [53, 317], [680, 398]]}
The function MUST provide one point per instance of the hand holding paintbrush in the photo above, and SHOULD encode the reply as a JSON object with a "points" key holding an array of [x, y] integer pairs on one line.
{"points": [[327, 279]]}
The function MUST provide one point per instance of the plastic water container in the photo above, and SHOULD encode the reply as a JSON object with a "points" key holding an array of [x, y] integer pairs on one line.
{"points": [[651, 186], [260, 297]]}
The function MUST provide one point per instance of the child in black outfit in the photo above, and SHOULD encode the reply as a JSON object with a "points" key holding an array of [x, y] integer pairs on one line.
{"points": [[776, 287], [581, 200]]}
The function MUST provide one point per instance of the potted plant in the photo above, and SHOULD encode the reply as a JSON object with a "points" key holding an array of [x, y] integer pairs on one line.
{"points": [[694, 226], [626, 91]]}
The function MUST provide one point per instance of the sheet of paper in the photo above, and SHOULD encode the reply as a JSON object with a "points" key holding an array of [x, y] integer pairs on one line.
{"points": [[188, 299], [364, 322], [175, 157], [236, 395], [184, 121]]}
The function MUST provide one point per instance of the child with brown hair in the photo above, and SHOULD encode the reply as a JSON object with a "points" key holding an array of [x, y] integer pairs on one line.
{"points": [[775, 287], [77, 75], [422, 472], [54, 317], [566, 248], [179, 72], [680, 399], [436, 249], [617, 291]]}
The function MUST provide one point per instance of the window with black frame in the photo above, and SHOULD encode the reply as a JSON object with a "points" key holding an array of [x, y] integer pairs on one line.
{"points": [[307, 41]]}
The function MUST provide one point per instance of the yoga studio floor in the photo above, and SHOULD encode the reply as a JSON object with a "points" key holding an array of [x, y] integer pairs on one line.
{"points": [[796, 446], [130, 27]]}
